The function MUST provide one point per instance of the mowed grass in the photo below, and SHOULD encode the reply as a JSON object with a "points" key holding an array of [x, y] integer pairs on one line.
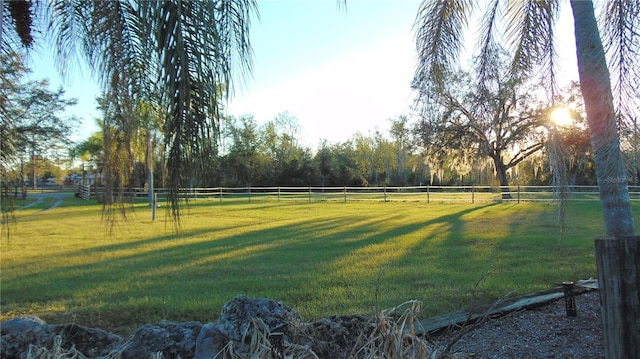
{"points": [[321, 258]]}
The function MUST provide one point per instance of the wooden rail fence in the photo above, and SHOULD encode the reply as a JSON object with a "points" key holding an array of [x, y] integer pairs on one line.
{"points": [[435, 194]]}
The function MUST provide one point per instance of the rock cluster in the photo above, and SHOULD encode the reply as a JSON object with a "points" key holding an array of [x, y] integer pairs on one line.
{"points": [[242, 324], [22, 335]]}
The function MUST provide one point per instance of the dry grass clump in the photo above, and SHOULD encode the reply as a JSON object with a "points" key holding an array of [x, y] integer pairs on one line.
{"points": [[389, 335], [56, 352], [394, 335], [264, 344]]}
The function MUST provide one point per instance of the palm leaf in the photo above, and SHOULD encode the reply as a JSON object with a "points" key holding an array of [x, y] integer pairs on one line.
{"points": [[179, 56], [439, 35], [199, 45], [488, 43], [621, 39], [532, 26]]}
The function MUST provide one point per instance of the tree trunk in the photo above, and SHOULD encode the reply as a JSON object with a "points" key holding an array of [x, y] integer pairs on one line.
{"points": [[501, 173], [598, 101], [617, 255]]}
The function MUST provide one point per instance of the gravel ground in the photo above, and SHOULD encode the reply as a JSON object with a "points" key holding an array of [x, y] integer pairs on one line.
{"points": [[545, 332]]}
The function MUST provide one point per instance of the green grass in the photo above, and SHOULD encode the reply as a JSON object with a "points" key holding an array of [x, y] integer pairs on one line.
{"points": [[321, 258]]}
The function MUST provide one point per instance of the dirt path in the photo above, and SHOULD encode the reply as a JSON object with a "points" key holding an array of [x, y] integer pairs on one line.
{"points": [[40, 197]]}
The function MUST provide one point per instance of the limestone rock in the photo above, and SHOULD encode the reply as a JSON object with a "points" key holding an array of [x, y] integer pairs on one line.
{"points": [[18, 334], [171, 339], [236, 319]]}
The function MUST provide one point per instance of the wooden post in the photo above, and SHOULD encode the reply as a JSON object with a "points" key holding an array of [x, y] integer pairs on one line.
{"points": [[309, 194], [154, 204], [618, 261], [428, 194], [385, 193], [473, 194], [345, 194], [278, 193]]}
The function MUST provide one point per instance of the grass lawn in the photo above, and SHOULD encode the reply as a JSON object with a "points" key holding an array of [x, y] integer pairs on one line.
{"points": [[321, 258]]}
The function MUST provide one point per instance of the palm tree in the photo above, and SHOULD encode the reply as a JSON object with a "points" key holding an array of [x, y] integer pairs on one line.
{"points": [[531, 28], [440, 25], [181, 56]]}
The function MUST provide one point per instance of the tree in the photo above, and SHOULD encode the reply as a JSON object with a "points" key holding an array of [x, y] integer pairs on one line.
{"points": [[439, 36], [402, 146], [41, 123], [241, 160], [491, 116], [11, 70], [33, 115], [531, 28], [180, 55], [90, 150], [574, 137]]}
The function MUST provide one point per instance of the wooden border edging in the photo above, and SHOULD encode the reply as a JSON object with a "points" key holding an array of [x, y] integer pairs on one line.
{"points": [[529, 301]]}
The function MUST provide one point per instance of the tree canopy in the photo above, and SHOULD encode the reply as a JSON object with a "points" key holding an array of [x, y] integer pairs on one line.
{"points": [[475, 117], [530, 28]]}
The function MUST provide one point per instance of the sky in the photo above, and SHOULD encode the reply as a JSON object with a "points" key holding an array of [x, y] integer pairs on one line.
{"points": [[338, 71]]}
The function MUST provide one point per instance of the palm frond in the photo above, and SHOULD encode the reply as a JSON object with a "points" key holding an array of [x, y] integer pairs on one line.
{"points": [[532, 26], [22, 17], [66, 29], [200, 45], [16, 26], [440, 28], [488, 45], [621, 39], [182, 56]]}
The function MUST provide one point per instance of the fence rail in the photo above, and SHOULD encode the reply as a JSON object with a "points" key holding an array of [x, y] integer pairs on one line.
{"points": [[463, 194]]}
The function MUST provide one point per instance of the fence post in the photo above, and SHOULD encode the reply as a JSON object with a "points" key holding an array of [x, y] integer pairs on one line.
{"points": [[518, 193], [309, 194], [278, 193], [618, 263], [473, 194], [345, 193], [249, 188], [220, 194], [385, 193], [427, 194], [154, 204]]}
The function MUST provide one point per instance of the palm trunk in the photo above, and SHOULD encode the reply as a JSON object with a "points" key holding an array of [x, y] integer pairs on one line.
{"points": [[596, 90], [618, 254]]}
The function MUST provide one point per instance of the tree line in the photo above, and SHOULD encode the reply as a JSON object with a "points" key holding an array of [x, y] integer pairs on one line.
{"points": [[472, 135], [449, 142]]}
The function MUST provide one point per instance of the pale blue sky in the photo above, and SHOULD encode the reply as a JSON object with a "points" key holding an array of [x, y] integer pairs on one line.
{"points": [[338, 71]]}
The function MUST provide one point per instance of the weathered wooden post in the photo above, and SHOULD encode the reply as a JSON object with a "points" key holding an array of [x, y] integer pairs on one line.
{"points": [[618, 260], [569, 299]]}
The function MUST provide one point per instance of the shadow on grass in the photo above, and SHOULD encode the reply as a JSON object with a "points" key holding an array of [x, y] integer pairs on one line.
{"points": [[329, 265]]}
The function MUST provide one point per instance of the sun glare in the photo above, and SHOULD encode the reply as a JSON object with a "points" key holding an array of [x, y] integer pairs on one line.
{"points": [[561, 116]]}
